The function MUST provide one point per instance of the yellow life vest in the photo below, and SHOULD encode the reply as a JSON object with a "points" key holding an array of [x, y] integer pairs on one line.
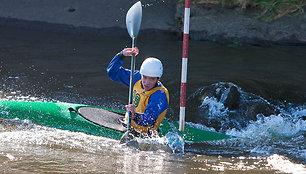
{"points": [[141, 100]]}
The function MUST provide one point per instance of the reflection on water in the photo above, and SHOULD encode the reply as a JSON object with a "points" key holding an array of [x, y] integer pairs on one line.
{"points": [[44, 149], [51, 66]]}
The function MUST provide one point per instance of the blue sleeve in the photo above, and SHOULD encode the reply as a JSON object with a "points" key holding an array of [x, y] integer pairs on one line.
{"points": [[117, 73], [158, 103]]}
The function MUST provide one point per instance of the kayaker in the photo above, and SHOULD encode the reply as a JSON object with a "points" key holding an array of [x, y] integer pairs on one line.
{"points": [[150, 97]]}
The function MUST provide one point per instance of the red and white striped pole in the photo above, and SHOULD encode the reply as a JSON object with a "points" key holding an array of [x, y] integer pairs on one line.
{"points": [[184, 65]]}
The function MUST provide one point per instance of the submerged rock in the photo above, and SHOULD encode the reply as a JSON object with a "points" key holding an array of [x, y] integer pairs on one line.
{"points": [[224, 106], [230, 97], [250, 109]]}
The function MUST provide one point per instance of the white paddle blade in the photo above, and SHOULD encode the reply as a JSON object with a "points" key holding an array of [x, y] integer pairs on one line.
{"points": [[133, 19]]}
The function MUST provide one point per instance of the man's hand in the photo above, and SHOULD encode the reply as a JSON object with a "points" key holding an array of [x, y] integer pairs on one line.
{"points": [[131, 108], [130, 51]]}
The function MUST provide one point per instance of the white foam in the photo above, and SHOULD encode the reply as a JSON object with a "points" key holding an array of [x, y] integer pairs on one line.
{"points": [[171, 142], [273, 126], [282, 164], [215, 108]]}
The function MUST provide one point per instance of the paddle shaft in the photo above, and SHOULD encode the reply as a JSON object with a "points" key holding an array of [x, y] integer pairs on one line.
{"points": [[131, 85], [133, 21]]}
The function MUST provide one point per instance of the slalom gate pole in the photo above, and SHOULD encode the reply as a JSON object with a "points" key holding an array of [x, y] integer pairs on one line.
{"points": [[184, 65]]}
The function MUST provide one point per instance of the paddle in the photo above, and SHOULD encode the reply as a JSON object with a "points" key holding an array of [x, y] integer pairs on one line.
{"points": [[133, 22]]}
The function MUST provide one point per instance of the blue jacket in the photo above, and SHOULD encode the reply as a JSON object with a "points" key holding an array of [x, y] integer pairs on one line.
{"points": [[158, 100]]}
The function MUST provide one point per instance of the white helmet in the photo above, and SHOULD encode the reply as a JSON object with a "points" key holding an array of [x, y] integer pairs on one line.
{"points": [[151, 67]]}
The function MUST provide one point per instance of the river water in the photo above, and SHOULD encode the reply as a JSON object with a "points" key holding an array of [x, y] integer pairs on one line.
{"points": [[57, 66]]}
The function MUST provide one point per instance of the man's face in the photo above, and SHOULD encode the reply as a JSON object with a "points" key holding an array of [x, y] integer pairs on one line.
{"points": [[148, 82]]}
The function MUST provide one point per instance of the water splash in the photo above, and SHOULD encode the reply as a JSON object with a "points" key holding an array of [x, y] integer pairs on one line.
{"points": [[171, 142], [175, 142], [215, 108], [15, 124], [36, 135], [282, 132], [276, 134], [274, 126], [282, 164]]}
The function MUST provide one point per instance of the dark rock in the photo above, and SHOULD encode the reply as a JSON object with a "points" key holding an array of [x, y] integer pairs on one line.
{"points": [[224, 106], [227, 93], [230, 98], [250, 109]]}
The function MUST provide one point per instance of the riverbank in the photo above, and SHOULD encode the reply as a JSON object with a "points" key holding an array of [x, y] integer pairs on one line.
{"points": [[234, 25], [161, 19]]}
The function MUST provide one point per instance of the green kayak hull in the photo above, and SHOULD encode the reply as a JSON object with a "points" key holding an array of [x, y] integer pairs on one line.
{"points": [[58, 115]]}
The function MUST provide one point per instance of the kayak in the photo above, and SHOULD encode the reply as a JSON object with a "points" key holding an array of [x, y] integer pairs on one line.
{"points": [[92, 120]]}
